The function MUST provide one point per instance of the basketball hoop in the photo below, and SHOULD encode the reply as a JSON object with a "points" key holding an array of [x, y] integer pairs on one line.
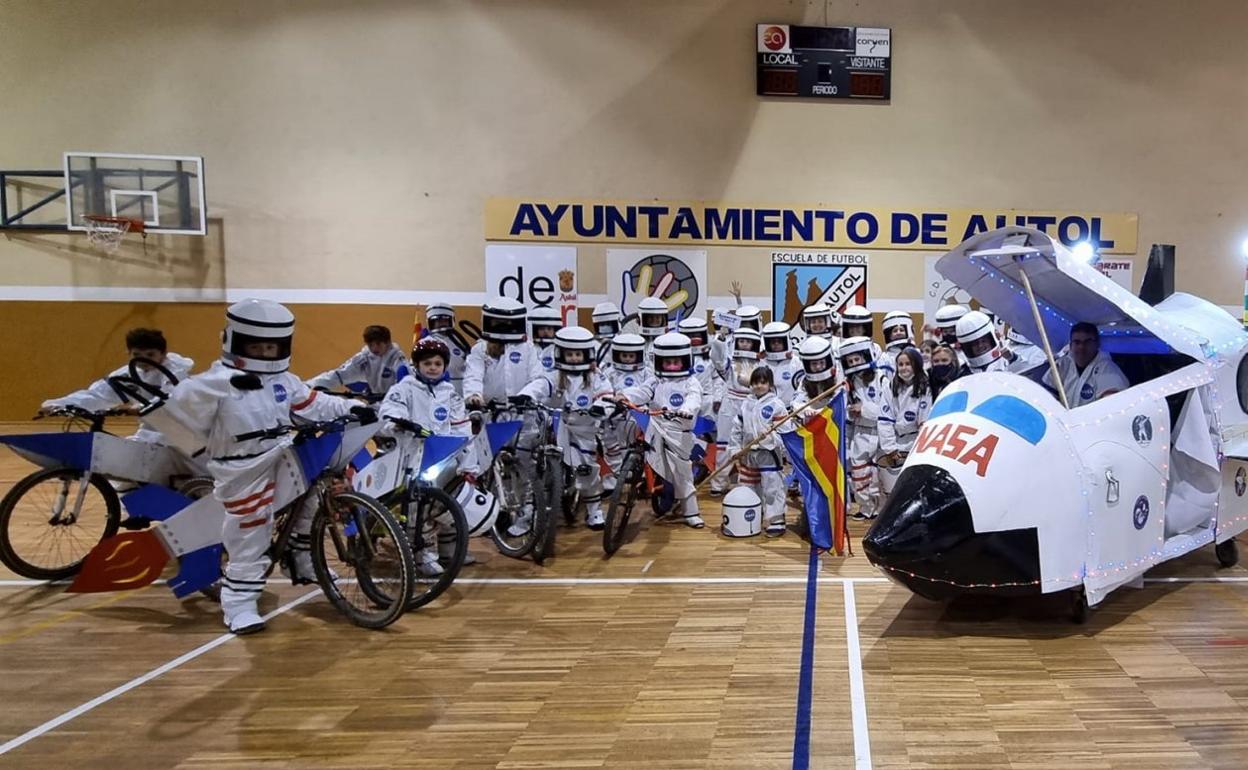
{"points": [[105, 233]]}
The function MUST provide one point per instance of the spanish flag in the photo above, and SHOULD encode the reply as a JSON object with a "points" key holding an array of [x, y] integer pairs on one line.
{"points": [[817, 451]]}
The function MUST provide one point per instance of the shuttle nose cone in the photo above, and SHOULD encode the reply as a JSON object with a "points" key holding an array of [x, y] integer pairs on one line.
{"points": [[925, 539]]}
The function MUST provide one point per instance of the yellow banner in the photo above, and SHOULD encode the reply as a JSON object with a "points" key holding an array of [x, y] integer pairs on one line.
{"points": [[726, 224]]}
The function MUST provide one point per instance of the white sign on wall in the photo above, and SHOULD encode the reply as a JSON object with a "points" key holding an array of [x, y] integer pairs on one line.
{"points": [[536, 276], [676, 276], [938, 291], [1117, 270]]}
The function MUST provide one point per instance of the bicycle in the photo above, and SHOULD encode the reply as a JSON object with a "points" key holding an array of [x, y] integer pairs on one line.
{"points": [[70, 498], [505, 476], [629, 479], [357, 545], [430, 516]]}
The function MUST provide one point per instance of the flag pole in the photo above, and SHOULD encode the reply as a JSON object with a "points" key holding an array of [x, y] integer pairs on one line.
{"points": [[779, 423]]}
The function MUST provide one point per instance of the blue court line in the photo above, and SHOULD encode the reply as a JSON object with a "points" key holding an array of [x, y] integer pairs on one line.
{"points": [[805, 684]]}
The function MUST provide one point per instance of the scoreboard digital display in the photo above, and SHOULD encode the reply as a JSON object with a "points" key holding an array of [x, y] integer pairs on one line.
{"points": [[824, 62]]}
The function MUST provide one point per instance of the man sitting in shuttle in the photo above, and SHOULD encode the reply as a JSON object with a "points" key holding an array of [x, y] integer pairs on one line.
{"points": [[1087, 373]]}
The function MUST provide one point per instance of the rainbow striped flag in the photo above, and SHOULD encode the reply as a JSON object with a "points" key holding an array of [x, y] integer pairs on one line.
{"points": [[817, 451]]}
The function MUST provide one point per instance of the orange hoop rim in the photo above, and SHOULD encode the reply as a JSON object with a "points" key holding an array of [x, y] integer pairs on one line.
{"points": [[132, 225]]}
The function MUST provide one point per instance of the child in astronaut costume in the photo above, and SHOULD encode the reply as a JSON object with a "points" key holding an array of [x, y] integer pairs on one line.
{"points": [[440, 318], [652, 319], [627, 369], [947, 317], [101, 396], [819, 320], [747, 346], [908, 399], [761, 468], [577, 387], [898, 330], [778, 355], [675, 391], [231, 406], [867, 392], [605, 320], [378, 365], [710, 380], [857, 321], [427, 401], [503, 365], [820, 372], [544, 322], [978, 339]]}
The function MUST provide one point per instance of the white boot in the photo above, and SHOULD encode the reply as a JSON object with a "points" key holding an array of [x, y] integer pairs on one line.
{"points": [[446, 552], [594, 518], [303, 574], [242, 613], [694, 521], [523, 522], [427, 562]]}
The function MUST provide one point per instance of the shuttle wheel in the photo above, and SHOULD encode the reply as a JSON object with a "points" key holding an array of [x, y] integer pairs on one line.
{"points": [[1078, 606], [1227, 553]]}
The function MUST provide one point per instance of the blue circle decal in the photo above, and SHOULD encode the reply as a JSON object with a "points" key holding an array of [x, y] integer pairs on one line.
{"points": [[1087, 392], [515, 356], [279, 392], [1139, 514], [582, 401], [628, 382], [750, 514], [767, 411], [676, 399], [440, 413], [909, 416]]}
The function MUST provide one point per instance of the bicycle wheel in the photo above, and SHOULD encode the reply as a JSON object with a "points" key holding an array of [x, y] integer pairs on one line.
{"points": [[437, 521], [45, 532], [620, 506], [519, 545], [548, 512], [362, 560]]}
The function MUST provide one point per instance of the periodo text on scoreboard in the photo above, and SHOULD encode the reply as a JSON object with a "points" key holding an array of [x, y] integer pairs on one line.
{"points": [[805, 226]]}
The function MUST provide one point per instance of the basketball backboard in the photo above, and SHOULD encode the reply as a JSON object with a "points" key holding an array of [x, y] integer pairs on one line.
{"points": [[166, 192]]}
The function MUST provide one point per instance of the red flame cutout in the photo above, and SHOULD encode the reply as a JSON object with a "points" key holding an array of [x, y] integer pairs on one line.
{"points": [[123, 562]]}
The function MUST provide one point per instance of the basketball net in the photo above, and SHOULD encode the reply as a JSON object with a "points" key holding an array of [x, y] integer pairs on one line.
{"points": [[106, 233]]}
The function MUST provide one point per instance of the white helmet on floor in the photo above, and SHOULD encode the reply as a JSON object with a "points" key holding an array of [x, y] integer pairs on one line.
{"points": [[257, 321], [544, 317], [480, 508], [695, 329], [573, 339], [817, 320], [440, 316], [978, 339], [817, 360], [857, 316], [606, 320], [947, 322], [743, 513], [776, 343], [652, 315], [751, 317], [747, 343], [502, 320], [894, 320], [856, 345], [672, 347], [632, 345]]}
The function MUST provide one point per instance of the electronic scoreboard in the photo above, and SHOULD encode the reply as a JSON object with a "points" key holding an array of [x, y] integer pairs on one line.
{"points": [[824, 62]]}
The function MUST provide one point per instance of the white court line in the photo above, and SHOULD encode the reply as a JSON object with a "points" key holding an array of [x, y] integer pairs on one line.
{"points": [[116, 692], [574, 581], [857, 690]]}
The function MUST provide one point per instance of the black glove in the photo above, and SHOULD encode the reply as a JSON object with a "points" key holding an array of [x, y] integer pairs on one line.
{"points": [[365, 414], [520, 400]]}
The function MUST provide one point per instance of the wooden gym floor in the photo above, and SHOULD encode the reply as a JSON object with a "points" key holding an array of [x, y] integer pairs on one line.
{"points": [[681, 652]]}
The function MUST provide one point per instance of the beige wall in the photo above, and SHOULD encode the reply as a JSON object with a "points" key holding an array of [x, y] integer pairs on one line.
{"points": [[353, 144]]}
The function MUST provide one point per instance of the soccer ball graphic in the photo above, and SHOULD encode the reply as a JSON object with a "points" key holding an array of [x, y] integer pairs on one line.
{"points": [[665, 277]]}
